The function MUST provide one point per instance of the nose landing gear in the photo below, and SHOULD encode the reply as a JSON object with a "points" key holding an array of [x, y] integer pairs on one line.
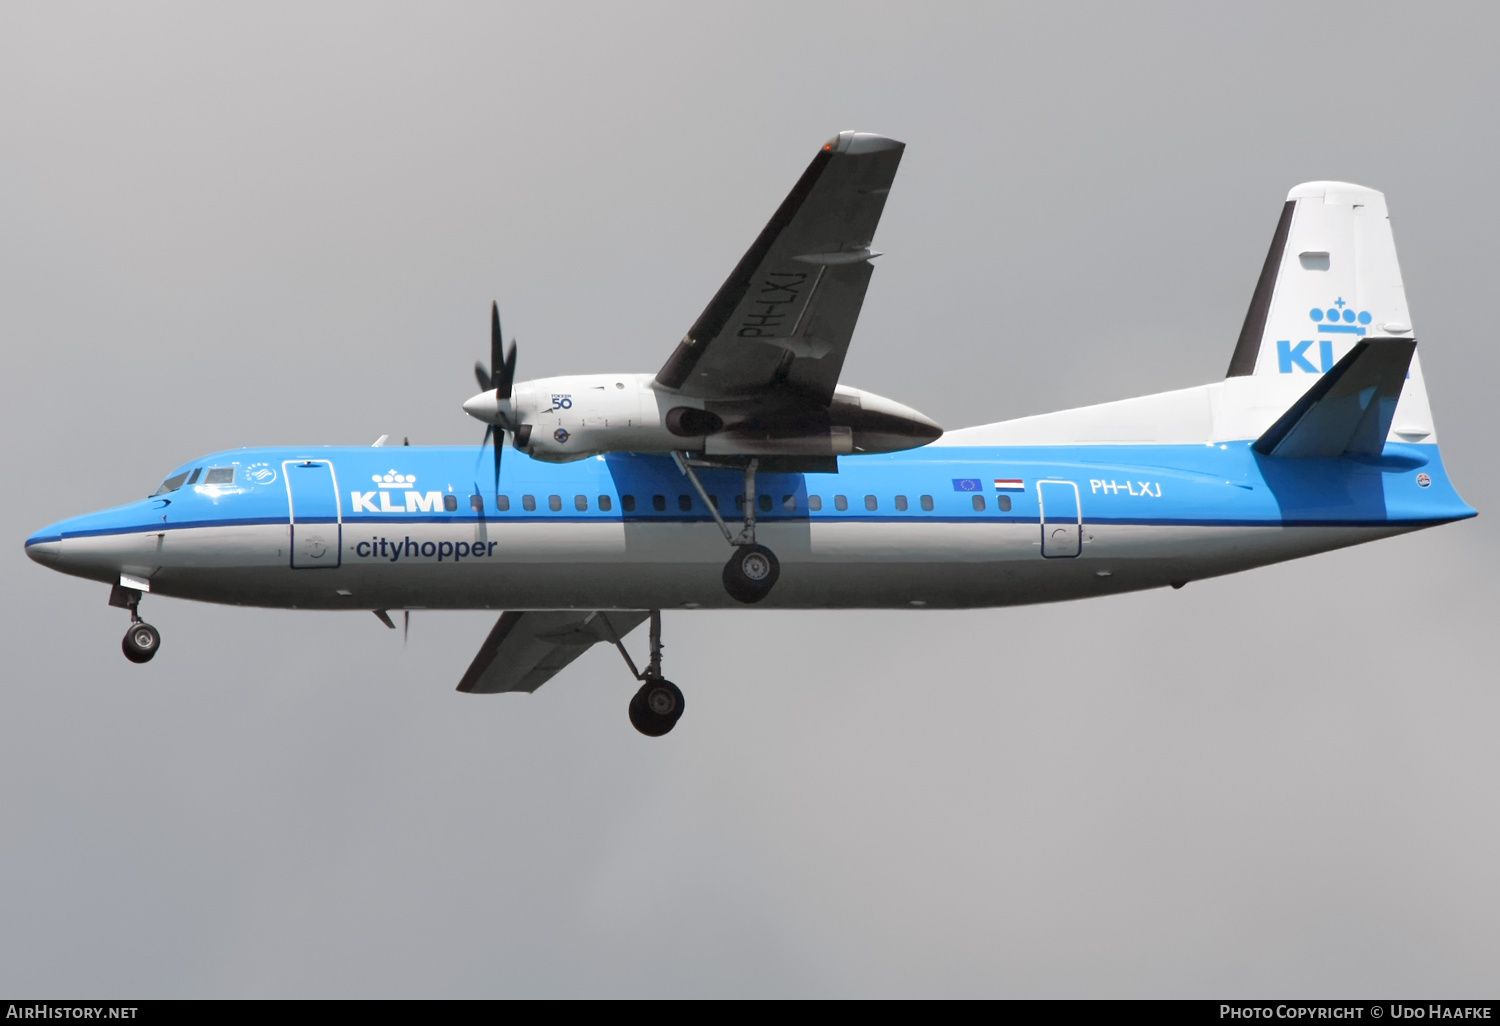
{"points": [[142, 641], [657, 706]]}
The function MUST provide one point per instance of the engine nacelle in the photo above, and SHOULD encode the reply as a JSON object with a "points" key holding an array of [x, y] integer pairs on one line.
{"points": [[577, 416]]}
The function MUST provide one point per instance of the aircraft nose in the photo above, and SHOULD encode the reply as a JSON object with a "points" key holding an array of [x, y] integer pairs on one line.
{"points": [[45, 547]]}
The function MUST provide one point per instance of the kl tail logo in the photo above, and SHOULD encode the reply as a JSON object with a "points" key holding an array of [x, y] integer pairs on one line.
{"points": [[1338, 319]]}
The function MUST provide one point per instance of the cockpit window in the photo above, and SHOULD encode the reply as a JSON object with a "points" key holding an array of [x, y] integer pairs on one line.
{"points": [[193, 479], [171, 484], [219, 476]]}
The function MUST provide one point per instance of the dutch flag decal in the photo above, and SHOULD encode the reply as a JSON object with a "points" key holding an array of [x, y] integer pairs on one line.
{"points": [[1009, 484]]}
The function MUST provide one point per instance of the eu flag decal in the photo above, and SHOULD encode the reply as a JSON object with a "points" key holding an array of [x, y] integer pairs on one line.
{"points": [[968, 484]]}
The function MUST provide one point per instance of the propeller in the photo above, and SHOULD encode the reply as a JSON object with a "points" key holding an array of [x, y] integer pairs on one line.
{"points": [[501, 382]]}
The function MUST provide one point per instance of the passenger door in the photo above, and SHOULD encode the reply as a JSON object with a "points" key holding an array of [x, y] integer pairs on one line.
{"points": [[315, 513]]}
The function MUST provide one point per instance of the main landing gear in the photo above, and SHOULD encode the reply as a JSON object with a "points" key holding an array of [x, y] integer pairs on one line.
{"points": [[752, 571], [657, 706], [142, 640]]}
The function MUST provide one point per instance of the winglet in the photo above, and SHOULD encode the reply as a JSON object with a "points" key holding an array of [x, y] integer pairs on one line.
{"points": [[1348, 411]]}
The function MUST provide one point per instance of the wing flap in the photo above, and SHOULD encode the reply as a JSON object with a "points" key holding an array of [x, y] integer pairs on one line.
{"points": [[525, 650]]}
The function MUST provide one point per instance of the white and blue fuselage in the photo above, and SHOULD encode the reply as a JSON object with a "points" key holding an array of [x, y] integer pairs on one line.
{"points": [[947, 526]]}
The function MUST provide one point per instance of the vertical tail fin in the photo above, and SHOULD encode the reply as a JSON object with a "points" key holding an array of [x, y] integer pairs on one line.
{"points": [[1331, 280]]}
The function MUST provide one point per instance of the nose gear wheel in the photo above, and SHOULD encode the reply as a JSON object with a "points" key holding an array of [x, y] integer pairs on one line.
{"points": [[141, 642]]}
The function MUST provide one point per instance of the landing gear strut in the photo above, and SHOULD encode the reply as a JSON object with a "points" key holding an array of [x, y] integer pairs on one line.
{"points": [[752, 571], [142, 640], [657, 706]]}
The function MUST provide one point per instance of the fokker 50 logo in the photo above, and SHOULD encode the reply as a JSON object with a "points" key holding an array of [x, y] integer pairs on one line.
{"points": [[416, 502], [1338, 319]]}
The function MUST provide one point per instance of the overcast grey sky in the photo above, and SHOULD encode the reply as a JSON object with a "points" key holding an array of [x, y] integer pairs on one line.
{"points": [[234, 225]]}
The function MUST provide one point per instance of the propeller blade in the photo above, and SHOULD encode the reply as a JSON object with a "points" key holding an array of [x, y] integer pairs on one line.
{"points": [[505, 375], [499, 452], [497, 355], [482, 376]]}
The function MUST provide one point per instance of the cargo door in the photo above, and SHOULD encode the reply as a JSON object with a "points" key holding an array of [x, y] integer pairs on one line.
{"points": [[1062, 524]]}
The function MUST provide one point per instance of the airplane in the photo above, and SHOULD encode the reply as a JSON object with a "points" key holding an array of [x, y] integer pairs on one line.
{"points": [[623, 492]]}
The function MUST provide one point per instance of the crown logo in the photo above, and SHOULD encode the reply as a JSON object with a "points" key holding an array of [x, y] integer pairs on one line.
{"points": [[1340, 319], [393, 480]]}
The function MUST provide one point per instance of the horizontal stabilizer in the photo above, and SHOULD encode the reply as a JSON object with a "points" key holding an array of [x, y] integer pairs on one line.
{"points": [[1348, 410], [525, 650]]}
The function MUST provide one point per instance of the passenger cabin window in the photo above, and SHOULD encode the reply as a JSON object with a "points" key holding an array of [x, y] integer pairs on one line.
{"points": [[1003, 501], [450, 502], [193, 478], [627, 503], [581, 503], [554, 503], [765, 503], [685, 503], [927, 503], [789, 503], [528, 502], [171, 484], [605, 503], [476, 503], [979, 504], [815, 503], [871, 503], [840, 502], [502, 503], [659, 503], [900, 504], [218, 476]]}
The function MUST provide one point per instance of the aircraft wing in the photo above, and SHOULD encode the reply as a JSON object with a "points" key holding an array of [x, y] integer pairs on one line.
{"points": [[525, 650], [779, 327]]}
